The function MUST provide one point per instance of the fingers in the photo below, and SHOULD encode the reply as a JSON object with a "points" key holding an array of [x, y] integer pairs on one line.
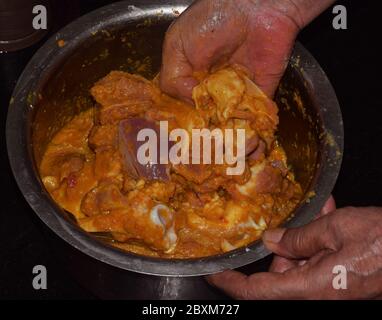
{"points": [[269, 85], [260, 285], [179, 87], [329, 207], [281, 264], [197, 41], [176, 72], [266, 75], [233, 283], [302, 242]]}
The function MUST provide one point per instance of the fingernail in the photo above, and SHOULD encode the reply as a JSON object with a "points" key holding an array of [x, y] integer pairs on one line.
{"points": [[273, 236]]}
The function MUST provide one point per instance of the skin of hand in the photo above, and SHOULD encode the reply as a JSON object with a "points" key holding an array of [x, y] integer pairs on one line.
{"points": [[281, 264], [258, 35], [303, 268]]}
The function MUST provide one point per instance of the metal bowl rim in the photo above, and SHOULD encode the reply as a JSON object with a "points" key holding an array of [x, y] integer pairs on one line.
{"points": [[20, 154]]}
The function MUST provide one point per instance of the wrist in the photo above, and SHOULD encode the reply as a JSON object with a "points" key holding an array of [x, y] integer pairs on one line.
{"points": [[297, 11], [305, 11], [301, 12]]}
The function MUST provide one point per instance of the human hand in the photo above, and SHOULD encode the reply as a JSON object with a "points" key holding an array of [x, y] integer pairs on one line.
{"points": [[349, 237], [281, 264], [256, 34]]}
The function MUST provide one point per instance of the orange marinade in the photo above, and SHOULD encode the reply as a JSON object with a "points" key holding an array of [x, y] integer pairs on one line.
{"points": [[173, 211]]}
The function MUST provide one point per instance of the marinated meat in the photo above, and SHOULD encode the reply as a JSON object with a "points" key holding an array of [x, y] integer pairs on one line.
{"points": [[171, 210]]}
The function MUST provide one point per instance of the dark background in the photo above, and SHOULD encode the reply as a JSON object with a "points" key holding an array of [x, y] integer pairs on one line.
{"points": [[352, 60]]}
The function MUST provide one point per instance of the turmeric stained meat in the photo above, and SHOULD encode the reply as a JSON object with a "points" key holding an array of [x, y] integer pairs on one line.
{"points": [[90, 168]]}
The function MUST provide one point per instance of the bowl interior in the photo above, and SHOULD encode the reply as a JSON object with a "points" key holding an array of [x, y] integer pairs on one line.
{"points": [[137, 48], [56, 86]]}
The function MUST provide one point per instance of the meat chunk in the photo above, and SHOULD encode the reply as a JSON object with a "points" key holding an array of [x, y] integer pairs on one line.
{"points": [[122, 95], [232, 95], [264, 179], [108, 163], [68, 149], [110, 174], [67, 166], [142, 219], [225, 88], [103, 136], [119, 88], [103, 199], [129, 147]]}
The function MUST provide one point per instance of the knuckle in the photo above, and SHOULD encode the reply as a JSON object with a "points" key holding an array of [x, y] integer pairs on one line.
{"points": [[298, 241], [305, 284], [292, 241], [167, 84], [163, 80], [242, 294], [331, 234], [347, 213]]}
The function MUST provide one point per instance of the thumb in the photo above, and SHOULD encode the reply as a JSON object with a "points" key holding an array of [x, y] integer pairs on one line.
{"points": [[303, 242], [176, 72], [260, 286]]}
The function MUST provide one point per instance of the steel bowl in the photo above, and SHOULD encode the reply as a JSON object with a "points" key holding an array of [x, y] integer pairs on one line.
{"points": [[128, 36]]}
